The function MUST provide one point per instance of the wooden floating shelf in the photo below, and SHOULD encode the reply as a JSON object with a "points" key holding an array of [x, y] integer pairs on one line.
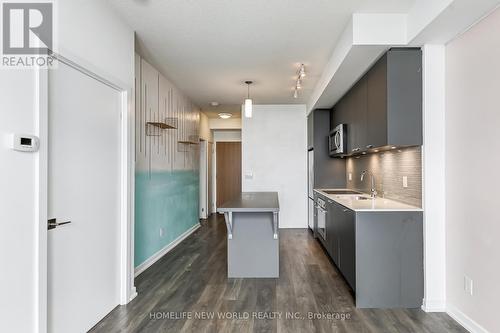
{"points": [[188, 142], [160, 125]]}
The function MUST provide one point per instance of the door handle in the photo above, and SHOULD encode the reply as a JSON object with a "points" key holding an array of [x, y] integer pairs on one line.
{"points": [[52, 224]]}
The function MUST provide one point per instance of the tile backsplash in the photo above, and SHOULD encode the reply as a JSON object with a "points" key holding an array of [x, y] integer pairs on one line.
{"points": [[389, 168]]}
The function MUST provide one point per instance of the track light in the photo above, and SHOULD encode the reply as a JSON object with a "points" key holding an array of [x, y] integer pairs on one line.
{"points": [[301, 73]]}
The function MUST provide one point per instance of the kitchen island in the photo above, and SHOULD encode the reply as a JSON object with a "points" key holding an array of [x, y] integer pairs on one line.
{"points": [[252, 221]]}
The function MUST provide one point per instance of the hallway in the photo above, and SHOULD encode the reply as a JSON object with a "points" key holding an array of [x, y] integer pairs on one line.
{"points": [[191, 281]]}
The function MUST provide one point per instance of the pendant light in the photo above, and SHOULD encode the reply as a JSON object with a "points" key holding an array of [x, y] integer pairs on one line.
{"points": [[248, 101]]}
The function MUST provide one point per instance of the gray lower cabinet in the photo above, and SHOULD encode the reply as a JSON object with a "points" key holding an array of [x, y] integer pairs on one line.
{"points": [[380, 254], [347, 243], [340, 243], [332, 232]]}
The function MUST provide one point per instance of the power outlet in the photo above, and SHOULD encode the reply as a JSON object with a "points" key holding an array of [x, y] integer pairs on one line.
{"points": [[468, 285], [350, 176], [405, 181], [162, 232]]}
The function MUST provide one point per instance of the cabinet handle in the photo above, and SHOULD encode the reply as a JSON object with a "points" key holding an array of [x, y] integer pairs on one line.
{"points": [[346, 210], [355, 149], [369, 146]]}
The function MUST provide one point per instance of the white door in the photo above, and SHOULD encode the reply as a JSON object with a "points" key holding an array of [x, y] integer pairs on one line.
{"points": [[84, 188]]}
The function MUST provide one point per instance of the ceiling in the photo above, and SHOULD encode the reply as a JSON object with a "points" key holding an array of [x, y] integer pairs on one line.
{"points": [[208, 48]]}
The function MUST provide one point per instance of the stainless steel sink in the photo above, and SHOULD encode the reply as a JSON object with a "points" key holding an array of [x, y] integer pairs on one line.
{"points": [[341, 192]]}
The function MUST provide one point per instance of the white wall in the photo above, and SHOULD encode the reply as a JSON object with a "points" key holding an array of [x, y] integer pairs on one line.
{"points": [[17, 204], [227, 135], [218, 123], [434, 178], [274, 150], [472, 179], [107, 46], [205, 132]]}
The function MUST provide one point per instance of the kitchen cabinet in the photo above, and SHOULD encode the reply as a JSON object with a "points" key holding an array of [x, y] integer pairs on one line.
{"points": [[340, 242], [384, 108], [327, 171], [379, 254], [377, 103], [346, 225], [358, 117], [331, 231]]}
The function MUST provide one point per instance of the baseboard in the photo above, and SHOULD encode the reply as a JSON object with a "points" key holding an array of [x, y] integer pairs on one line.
{"points": [[133, 294], [157, 256], [434, 305], [464, 320]]}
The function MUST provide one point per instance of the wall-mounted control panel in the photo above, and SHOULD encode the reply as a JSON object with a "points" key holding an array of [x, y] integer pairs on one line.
{"points": [[25, 142]]}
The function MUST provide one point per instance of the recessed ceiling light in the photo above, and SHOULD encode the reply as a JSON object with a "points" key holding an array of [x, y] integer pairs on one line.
{"points": [[225, 115], [214, 103]]}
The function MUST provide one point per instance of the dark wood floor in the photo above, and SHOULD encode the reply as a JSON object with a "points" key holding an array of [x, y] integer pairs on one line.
{"points": [[191, 281]]}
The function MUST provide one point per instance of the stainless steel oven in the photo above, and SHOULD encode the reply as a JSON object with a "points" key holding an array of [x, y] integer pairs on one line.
{"points": [[321, 216], [337, 142]]}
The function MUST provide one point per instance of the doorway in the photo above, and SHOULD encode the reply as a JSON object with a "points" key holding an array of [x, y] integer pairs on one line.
{"points": [[84, 199], [228, 170], [204, 179]]}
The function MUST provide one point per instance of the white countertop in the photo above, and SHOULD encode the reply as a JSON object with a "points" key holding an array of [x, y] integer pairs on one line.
{"points": [[378, 204]]}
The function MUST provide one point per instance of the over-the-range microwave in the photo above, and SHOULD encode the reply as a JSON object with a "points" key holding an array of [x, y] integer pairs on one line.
{"points": [[337, 140]]}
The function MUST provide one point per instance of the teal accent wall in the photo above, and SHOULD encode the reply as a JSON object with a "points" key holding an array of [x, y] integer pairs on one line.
{"points": [[167, 199]]}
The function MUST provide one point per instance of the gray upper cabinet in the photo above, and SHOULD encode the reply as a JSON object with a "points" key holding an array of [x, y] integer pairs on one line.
{"points": [[328, 172], [384, 108], [377, 103], [358, 118]]}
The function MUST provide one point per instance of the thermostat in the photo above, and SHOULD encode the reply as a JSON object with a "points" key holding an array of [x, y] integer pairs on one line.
{"points": [[25, 142]]}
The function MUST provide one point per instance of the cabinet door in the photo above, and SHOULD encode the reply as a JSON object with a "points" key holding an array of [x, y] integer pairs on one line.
{"points": [[330, 230], [310, 130], [347, 245], [359, 112], [333, 237], [350, 119], [339, 113], [377, 104]]}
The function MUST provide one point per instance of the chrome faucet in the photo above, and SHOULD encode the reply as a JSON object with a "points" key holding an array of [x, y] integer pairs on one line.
{"points": [[373, 190]]}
